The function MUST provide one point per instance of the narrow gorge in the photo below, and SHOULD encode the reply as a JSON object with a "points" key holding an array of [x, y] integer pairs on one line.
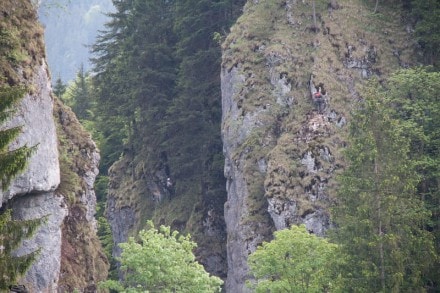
{"points": [[228, 131]]}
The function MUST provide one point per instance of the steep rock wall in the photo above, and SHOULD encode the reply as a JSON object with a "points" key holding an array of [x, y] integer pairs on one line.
{"points": [[138, 193], [58, 182], [83, 262], [283, 147]]}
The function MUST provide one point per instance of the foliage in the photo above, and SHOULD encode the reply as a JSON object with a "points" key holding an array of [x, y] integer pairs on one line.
{"points": [[11, 234], [413, 93], [78, 95], [427, 13], [11, 162], [295, 261], [162, 261], [59, 88], [380, 219], [106, 238]]}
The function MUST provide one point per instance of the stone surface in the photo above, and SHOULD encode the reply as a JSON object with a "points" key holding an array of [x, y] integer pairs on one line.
{"points": [[282, 150], [44, 273], [35, 115]]}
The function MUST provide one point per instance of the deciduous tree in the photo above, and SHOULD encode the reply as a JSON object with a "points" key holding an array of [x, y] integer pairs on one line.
{"points": [[159, 260], [295, 261]]}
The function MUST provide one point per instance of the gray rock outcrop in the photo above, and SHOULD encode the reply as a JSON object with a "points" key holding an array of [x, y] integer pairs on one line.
{"points": [[282, 151], [35, 115]]}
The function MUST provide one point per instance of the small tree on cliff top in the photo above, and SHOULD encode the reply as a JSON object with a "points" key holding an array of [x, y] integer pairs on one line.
{"points": [[162, 261]]}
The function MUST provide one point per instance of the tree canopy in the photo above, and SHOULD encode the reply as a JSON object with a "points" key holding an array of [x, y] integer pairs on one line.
{"points": [[159, 260], [12, 162], [295, 261]]}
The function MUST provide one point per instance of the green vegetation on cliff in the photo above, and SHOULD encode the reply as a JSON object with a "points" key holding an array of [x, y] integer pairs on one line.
{"points": [[386, 217], [159, 260], [15, 27]]}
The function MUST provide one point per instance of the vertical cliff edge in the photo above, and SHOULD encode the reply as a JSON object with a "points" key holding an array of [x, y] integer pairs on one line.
{"points": [[58, 182], [282, 144]]}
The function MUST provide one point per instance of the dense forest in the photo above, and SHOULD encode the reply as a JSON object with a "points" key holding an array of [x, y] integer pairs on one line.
{"points": [[155, 97], [153, 104]]}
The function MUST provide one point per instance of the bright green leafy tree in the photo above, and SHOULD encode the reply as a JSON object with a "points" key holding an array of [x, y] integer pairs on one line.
{"points": [[380, 219], [162, 261], [295, 261]]}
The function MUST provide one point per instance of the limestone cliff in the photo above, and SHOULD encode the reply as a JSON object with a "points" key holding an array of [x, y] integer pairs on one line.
{"points": [[70, 255], [282, 144]]}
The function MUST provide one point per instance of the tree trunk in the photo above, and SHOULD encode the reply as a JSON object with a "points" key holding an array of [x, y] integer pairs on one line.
{"points": [[315, 27], [375, 7], [380, 228]]}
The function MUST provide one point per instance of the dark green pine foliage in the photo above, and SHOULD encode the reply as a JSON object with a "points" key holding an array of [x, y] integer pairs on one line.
{"points": [[110, 81], [135, 76], [414, 93], [11, 234], [193, 128], [59, 88], [380, 219], [11, 162], [427, 15], [78, 95]]}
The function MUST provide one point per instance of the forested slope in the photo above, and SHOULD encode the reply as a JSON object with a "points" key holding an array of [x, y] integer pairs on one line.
{"points": [[56, 187], [158, 103], [277, 99], [284, 143]]}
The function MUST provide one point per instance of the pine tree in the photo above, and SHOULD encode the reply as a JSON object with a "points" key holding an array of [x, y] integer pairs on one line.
{"points": [[413, 93], [427, 15], [78, 95], [11, 234], [380, 219], [12, 163], [59, 88]]}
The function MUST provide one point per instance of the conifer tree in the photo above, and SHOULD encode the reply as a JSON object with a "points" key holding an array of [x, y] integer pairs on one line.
{"points": [[380, 219], [413, 93], [59, 88], [78, 95], [11, 163], [11, 234]]}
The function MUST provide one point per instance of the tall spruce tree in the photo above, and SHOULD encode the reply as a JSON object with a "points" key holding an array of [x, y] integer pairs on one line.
{"points": [[78, 95], [12, 163], [380, 219], [413, 93]]}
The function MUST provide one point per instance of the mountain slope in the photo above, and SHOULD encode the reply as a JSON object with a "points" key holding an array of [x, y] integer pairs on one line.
{"points": [[283, 149]]}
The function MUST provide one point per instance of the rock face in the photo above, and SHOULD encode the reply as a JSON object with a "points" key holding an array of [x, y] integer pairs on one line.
{"points": [[58, 182], [283, 143], [32, 193], [83, 263], [137, 193], [35, 114]]}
